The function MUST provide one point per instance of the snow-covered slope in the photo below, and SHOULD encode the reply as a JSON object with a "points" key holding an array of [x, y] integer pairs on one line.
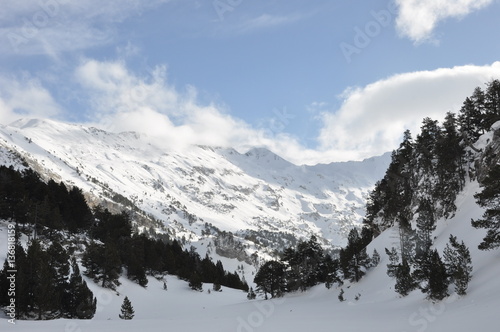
{"points": [[379, 308], [264, 200]]}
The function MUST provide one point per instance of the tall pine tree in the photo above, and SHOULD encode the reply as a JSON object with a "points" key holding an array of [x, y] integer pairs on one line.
{"points": [[127, 310]]}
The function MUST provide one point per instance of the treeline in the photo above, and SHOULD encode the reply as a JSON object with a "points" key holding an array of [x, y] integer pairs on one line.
{"points": [[308, 265], [48, 284], [50, 214], [113, 246], [421, 186], [433, 167], [50, 206]]}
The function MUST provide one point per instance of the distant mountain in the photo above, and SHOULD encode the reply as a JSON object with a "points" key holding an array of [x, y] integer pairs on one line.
{"points": [[239, 202]]}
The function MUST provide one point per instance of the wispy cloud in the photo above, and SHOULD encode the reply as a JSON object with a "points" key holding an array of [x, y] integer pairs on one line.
{"points": [[266, 21], [417, 19], [25, 98], [54, 26]]}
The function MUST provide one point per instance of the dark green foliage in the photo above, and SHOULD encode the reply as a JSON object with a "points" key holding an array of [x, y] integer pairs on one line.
{"points": [[251, 294], [393, 262], [306, 265], [26, 199], [111, 227], [426, 144], [450, 172], [492, 103], [394, 192], [331, 271], [195, 282], [341, 295], [404, 280], [44, 287], [437, 285], [354, 261], [375, 258], [458, 264], [41, 279], [434, 166], [127, 310], [489, 198], [426, 224], [102, 264], [270, 279], [79, 301]]}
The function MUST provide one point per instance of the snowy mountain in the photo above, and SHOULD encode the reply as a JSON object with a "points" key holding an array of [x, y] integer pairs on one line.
{"points": [[238, 203], [377, 307]]}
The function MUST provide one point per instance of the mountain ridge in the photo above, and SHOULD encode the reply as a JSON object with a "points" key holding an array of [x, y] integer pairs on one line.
{"points": [[190, 190]]}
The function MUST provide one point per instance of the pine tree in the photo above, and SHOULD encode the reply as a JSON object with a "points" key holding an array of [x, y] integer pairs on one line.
{"points": [[251, 294], [44, 296], [217, 287], [195, 282], [127, 311], [353, 259], [330, 272], [425, 146], [80, 301], [407, 236], [470, 119], [450, 173], [437, 285], [458, 264], [375, 258], [489, 198], [492, 103], [393, 262], [404, 280], [270, 279], [426, 224]]}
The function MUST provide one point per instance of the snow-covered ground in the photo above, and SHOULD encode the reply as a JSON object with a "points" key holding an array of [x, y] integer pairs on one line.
{"points": [[378, 308]]}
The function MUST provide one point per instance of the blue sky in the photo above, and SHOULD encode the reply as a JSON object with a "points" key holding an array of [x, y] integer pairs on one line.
{"points": [[314, 81]]}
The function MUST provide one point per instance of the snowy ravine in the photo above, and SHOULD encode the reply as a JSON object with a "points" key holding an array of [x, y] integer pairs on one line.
{"points": [[199, 192]]}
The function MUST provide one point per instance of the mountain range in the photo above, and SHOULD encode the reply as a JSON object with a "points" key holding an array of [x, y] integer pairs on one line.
{"points": [[241, 203]]}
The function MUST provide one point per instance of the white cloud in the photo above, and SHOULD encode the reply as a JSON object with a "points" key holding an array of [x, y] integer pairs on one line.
{"points": [[25, 98], [417, 19], [53, 26], [266, 21], [123, 101], [372, 119]]}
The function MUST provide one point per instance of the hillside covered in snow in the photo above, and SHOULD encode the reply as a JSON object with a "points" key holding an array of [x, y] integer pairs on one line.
{"points": [[256, 199]]}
